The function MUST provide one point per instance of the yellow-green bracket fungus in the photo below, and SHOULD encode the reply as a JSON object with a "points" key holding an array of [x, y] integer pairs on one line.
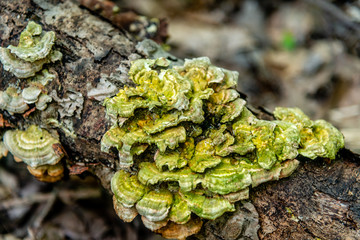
{"points": [[12, 101], [39, 150], [26, 60], [35, 49], [188, 145]]}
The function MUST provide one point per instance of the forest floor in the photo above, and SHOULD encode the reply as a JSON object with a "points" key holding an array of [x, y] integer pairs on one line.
{"points": [[289, 53]]}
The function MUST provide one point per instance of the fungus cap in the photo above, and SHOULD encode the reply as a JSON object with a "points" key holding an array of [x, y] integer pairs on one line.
{"points": [[12, 101], [33, 51], [47, 173], [202, 156], [127, 214], [33, 146], [155, 205], [31, 94]]}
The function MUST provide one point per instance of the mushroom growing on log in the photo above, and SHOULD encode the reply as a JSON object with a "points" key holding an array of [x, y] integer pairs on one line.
{"points": [[94, 49]]}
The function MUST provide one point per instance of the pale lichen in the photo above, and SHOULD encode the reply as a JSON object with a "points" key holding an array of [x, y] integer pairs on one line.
{"points": [[104, 89], [70, 104], [192, 145]]}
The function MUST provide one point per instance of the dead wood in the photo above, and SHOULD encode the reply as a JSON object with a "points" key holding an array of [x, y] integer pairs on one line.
{"points": [[320, 200]]}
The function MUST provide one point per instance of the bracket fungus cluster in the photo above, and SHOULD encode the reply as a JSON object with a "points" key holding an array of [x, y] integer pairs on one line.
{"points": [[35, 146], [33, 51], [39, 150], [12, 101], [24, 61], [15, 101], [189, 146]]}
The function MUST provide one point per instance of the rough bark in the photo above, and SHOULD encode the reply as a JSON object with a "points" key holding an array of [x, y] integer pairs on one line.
{"points": [[320, 200]]}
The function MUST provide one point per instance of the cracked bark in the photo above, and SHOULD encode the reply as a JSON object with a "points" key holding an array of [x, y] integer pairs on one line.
{"points": [[320, 200]]}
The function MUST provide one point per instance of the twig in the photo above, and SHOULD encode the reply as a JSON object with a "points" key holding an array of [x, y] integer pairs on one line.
{"points": [[65, 195], [335, 12], [14, 202], [44, 211]]}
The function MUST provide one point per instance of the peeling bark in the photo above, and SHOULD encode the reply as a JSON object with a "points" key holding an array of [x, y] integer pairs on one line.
{"points": [[320, 200]]}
